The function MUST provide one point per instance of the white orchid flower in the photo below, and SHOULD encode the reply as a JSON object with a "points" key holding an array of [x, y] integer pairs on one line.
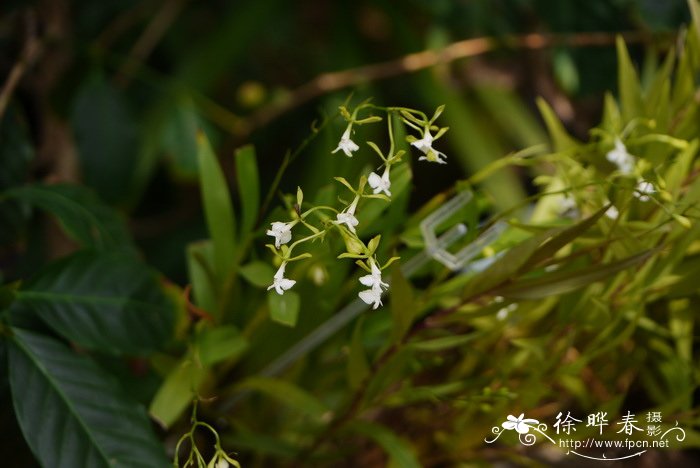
{"points": [[612, 212], [347, 216], [282, 232], [279, 282], [346, 145], [619, 156], [372, 297], [374, 279], [380, 184], [520, 424], [567, 204], [425, 145], [643, 190]]}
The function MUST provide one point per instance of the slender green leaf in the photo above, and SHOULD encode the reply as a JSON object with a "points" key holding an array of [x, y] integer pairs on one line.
{"points": [[561, 140], [284, 308], [563, 282], [400, 452], [72, 414], [176, 392], [200, 269], [248, 186], [110, 302], [563, 237], [694, 7], [79, 212], [441, 344], [286, 393], [628, 84], [218, 209]]}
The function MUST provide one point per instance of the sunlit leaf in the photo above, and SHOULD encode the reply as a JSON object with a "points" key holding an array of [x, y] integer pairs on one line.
{"points": [[177, 392]]}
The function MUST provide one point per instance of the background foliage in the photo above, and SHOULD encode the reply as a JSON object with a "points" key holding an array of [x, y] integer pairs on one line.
{"points": [[146, 146]]}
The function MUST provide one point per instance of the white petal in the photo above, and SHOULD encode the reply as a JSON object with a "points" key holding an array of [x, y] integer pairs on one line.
{"points": [[374, 181], [286, 283], [367, 280]]}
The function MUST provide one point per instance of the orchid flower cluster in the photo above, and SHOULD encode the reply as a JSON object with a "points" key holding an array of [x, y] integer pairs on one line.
{"points": [[626, 164], [344, 219]]}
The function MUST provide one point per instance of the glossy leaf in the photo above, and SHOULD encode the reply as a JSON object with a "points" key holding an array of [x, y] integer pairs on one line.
{"points": [[72, 413], [109, 302]]}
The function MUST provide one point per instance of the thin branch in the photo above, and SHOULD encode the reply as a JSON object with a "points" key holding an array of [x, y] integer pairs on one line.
{"points": [[334, 81], [150, 37], [30, 52]]}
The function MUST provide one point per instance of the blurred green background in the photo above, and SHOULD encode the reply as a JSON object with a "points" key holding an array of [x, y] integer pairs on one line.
{"points": [[119, 87]]}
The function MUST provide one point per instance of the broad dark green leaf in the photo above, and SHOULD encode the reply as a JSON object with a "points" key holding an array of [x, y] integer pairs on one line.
{"points": [[218, 209], [106, 135], [71, 413], [79, 212], [400, 451], [284, 308], [248, 186], [105, 301], [563, 282]]}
